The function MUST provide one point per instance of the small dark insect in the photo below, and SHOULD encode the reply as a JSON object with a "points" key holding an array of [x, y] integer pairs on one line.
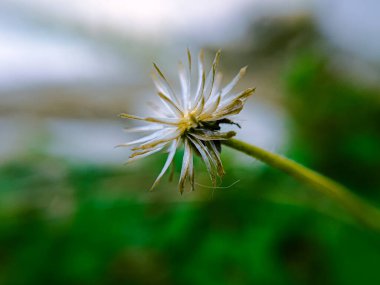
{"points": [[214, 127]]}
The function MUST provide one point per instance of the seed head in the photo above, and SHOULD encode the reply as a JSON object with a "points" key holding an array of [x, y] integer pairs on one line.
{"points": [[191, 118]]}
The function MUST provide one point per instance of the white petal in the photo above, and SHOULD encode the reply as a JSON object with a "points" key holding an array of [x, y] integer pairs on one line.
{"points": [[150, 137], [210, 80], [227, 89], [201, 79], [213, 104], [200, 99], [158, 110], [144, 129], [185, 166], [189, 60], [170, 105], [169, 160], [163, 84], [184, 79], [215, 90]]}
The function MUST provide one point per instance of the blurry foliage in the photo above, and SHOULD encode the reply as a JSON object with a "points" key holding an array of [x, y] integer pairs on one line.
{"points": [[283, 35], [272, 40], [88, 229], [336, 123]]}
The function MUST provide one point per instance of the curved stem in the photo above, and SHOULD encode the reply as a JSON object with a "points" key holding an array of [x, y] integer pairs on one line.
{"points": [[360, 209]]}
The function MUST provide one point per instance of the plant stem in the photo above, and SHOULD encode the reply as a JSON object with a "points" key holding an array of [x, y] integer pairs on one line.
{"points": [[359, 209]]}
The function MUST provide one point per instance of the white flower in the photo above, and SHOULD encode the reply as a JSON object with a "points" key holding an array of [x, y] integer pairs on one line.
{"points": [[193, 119]]}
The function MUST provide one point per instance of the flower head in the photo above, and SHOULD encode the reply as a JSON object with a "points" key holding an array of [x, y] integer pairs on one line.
{"points": [[192, 119]]}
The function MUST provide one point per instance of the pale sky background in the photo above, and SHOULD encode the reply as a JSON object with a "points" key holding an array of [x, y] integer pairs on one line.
{"points": [[58, 41], [67, 34]]}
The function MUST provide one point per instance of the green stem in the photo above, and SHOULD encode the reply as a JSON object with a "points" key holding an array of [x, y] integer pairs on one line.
{"points": [[359, 209]]}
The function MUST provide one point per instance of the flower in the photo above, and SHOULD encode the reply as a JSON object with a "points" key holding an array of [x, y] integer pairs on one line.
{"points": [[192, 119]]}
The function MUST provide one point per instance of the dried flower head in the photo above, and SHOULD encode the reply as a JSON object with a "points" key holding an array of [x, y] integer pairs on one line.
{"points": [[193, 118]]}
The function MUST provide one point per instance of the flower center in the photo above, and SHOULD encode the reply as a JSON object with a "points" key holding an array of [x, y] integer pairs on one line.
{"points": [[189, 121]]}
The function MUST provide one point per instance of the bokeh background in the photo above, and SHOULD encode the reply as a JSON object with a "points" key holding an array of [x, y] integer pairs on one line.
{"points": [[72, 213]]}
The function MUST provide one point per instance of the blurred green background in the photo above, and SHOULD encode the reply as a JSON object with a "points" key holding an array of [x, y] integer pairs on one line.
{"points": [[72, 213]]}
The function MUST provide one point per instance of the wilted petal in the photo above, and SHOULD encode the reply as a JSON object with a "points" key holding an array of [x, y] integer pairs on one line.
{"points": [[169, 136], [239, 96], [191, 172], [215, 154], [166, 121], [206, 135], [232, 108], [138, 155], [206, 157]]}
